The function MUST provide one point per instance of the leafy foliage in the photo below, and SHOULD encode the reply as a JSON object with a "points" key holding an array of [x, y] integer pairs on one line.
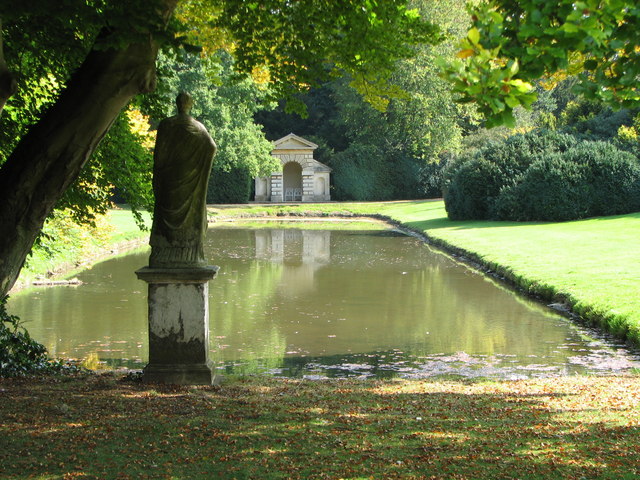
{"points": [[314, 42], [473, 181], [431, 177], [512, 43], [232, 186], [224, 102], [378, 155], [359, 173], [65, 239], [120, 170], [45, 51], [359, 36]]}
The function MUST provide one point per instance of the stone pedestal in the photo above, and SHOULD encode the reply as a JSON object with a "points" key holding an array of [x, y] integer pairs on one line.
{"points": [[178, 325]]}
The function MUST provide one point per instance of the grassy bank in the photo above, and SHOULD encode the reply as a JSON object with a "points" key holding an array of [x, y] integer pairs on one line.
{"points": [[590, 265], [67, 247], [103, 428]]}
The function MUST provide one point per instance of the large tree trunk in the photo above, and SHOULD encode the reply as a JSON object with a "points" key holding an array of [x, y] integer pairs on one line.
{"points": [[8, 84], [52, 154]]}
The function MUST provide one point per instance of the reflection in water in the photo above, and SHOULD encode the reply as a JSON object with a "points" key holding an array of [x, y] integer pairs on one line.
{"points": [[106, 316], [328, 303]]}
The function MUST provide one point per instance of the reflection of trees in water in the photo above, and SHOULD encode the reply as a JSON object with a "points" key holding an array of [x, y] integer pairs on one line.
{"points": [[242, 305], [422, 292], [378, 292], [107, 315], [313, 292], [240, 299]]}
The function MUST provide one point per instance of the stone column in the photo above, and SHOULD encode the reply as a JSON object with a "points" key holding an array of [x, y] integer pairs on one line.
{"points": [[277, 188], [307, 185], [179, 325]]}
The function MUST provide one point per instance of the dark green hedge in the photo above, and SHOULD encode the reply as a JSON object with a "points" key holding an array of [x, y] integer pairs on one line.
{"points": [[473, 182], [233, 186], [543, 176]]}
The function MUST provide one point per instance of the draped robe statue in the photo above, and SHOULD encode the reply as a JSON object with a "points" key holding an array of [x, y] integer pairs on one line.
{"points": [[182, 164]]}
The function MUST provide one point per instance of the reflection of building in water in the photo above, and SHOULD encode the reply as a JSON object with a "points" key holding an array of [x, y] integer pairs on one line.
{"points": [[301, 252]]}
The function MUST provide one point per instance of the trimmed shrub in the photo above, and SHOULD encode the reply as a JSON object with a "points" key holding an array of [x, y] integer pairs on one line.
{"points": [[233, 186], [472, 183], [470, 188], [612, 178], [590, 179], [551, 189]]}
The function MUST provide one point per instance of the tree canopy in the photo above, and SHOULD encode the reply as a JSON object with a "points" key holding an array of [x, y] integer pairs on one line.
{"points": [[512, 43], [382, 154], [76, 70]]}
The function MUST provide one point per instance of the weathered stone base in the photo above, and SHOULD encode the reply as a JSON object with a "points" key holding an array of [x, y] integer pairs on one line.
{"points": [[178, 325], [181, 374]]}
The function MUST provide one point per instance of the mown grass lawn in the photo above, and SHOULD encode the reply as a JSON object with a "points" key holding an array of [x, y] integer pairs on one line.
{"points": [[592, 265], [101, 427]]}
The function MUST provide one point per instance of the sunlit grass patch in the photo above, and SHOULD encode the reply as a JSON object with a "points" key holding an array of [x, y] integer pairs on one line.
{"points": [[303, 224]]}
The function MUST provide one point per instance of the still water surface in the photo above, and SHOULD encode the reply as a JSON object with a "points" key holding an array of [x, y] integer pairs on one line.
{"points": [[321, 303]]}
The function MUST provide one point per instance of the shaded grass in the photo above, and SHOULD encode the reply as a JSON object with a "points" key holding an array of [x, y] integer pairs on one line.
{"points": [[101, 427], [592, 266]]}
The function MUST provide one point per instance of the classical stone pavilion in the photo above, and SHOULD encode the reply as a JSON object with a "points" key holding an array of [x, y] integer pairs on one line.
{"points": [[302, 179]]}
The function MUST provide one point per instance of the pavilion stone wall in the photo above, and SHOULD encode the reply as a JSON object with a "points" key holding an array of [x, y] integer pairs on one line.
{"points": [[315, 176]]}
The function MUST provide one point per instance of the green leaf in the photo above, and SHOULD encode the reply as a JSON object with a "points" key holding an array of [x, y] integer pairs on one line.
{"points": [[508, 119], [591, 64], [570, 28], [474, 36], [511, 101]]}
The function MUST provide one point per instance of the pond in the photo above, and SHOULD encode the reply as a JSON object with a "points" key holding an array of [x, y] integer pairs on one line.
{"points": [[327, 303]]}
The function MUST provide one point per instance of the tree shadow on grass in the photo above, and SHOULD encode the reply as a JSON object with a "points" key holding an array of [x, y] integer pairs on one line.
{"points": [[272, 429]]}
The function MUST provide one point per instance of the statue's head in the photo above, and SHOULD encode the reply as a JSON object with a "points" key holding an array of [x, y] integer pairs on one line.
{"points": [[184, 102]]}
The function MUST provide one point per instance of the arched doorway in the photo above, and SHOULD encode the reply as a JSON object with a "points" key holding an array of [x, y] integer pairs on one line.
{"points": [[292, 182]]}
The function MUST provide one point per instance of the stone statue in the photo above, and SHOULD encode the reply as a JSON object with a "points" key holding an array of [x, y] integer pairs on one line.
{"points": [[182, 163]]}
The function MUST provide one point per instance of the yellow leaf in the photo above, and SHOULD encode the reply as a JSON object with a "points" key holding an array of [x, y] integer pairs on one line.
{"points": [[466, 53]]}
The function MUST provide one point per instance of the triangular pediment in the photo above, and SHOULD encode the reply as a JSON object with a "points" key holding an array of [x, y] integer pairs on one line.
{"points": [[293, 142]]}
